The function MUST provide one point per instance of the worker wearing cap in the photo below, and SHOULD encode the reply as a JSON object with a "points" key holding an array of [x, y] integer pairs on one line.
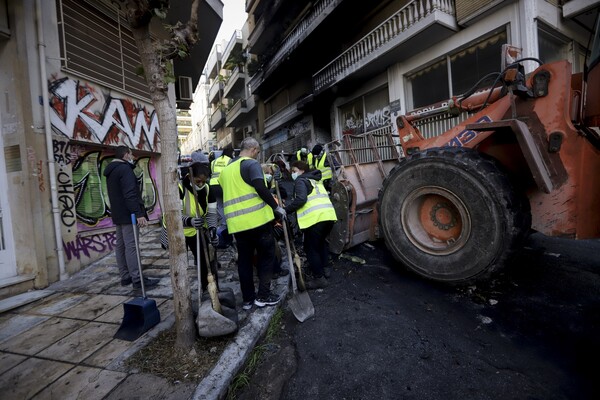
{"points": [[320, 162]]}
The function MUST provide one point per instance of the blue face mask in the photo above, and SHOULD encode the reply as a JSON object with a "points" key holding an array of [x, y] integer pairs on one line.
{"points": [[294, 175], [268, 177]]}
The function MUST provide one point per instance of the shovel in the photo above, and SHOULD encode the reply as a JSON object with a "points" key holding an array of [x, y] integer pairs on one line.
{"points": [[141, 313], [300, 303]]}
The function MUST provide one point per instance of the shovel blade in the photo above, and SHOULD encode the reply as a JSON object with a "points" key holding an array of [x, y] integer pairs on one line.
{"points": [[139, 316], [301, 306]]}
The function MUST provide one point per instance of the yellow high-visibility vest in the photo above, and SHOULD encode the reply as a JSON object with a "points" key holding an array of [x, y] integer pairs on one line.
{"points": [[216, 166], [309, 158], [318, 207], [189, 208], [325, 171], [243, 207]]}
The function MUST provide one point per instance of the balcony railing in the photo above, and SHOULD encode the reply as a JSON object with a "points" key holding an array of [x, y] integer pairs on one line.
{"points": [[281, 117], [236, 39], [234, 113], [212, 65], [235, 83], [214, 91], [387, 35], [217, 119]]}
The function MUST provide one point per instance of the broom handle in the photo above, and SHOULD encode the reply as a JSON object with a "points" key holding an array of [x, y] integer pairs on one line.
{"points": [[137, 253], [210, 277], [287, 244]]}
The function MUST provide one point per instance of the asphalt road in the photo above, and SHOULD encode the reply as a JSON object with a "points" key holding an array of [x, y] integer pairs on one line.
{"points": [[532, 332]]}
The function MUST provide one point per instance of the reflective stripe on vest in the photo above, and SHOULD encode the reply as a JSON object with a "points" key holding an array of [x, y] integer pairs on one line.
{"points": [[325, 171], [243, 207], [216, 167], [318, 207]]}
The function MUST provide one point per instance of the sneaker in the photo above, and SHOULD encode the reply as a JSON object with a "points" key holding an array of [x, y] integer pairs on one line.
{"points": [[126, 282], [148, 283], [317, 283], [247, 305], [270, 300]]}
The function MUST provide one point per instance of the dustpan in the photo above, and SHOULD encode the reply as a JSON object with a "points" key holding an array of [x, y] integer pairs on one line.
{"points": [[141, 313]]}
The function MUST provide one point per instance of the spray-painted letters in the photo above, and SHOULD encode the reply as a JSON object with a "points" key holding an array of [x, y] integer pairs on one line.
{"points": [[80, 112]]}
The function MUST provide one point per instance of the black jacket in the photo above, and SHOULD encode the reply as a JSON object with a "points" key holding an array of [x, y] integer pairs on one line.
{"points": [[123, 192], [302, 188]]}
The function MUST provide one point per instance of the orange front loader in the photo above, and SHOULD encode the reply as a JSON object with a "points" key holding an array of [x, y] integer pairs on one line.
{"points": [[453, 207]]}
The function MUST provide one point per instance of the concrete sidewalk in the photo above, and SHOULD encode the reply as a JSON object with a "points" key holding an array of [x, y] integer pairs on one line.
{"points": [[60, 345]]}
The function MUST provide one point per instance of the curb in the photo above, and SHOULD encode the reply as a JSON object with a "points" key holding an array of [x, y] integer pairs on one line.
{"points": [[215, 385]]}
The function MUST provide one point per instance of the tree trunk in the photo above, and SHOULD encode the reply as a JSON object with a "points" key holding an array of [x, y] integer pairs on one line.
{"points": [[166, 113]]}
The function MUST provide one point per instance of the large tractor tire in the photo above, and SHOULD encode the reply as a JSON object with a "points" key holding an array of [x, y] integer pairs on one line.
{"points": [[451, 214]]}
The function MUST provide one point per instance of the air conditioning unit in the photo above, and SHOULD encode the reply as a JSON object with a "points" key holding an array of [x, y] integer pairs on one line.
{"points": [[186, 91]]}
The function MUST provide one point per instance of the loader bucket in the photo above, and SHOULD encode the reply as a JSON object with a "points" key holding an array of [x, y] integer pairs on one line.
{"points": [[139, 316]]}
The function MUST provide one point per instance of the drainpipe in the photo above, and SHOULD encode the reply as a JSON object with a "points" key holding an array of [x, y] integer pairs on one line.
{"points": [[49, 146]]}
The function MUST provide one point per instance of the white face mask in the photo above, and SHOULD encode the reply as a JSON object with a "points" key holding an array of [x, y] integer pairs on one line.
{"points": [[200, 187], [268, 177], [295, 175]]}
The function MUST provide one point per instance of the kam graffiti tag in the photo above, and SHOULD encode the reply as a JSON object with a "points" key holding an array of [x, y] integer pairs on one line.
{"points": [[79, 113]]}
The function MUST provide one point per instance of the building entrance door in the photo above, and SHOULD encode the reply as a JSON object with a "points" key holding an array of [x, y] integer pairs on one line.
{"points": [[8, 265]]}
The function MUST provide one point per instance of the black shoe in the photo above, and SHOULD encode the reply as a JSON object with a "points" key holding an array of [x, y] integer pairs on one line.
{"points": [[317, 283], [270, 300], [280, 273], [126, 282], [148, 283]]}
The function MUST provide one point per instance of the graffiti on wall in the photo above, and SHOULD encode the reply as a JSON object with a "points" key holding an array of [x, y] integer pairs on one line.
{"points": [[81, 186], [83, 112], [89, 246]]}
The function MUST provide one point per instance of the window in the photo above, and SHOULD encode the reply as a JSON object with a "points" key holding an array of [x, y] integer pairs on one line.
{"points": [[552, 46], [96, 44], [457, 72], [366, 113]]}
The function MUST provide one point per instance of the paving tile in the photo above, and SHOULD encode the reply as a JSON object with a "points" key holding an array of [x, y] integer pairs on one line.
{"points": [[165, 309], [7, 361], [114, 315], [13, 324], [58, 304], [81, 343], [82, 383], [41, 336], [22, 299], [150, 387], [106, 354], [29, 377], [94, 307]]}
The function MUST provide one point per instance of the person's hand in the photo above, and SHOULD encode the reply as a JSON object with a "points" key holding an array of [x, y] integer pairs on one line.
{"points": [[142, 221], [214, 238], [280, 213], [197, 222]]}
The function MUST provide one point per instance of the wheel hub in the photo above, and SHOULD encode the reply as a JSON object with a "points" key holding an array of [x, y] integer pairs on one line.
{"points": [[436, 220]]}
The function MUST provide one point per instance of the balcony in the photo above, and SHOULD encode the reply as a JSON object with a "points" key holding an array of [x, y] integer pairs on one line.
{"points": [[233, 51], [217, 119], [281, 117], [213, 65], [260, 38], [235, 84], [236, 113], [413, 28], [213, 92]]}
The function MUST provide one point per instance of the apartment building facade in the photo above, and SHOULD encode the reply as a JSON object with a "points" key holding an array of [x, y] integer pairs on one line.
{"points": [[71, 94], [331, 68]]}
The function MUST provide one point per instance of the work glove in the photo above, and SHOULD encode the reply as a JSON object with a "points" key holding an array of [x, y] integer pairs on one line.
{"points": [[214, 238], [280, 213], [197, 222]]}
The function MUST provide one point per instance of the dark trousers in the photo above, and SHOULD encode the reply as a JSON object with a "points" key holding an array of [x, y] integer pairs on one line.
{"points": [[259, 241], [190, 241], [315, 246]]}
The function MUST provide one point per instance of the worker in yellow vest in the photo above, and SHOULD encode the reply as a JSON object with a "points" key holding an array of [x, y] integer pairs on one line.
{"points": [[316, 217], [303, 155], [216, 166], [320, 162], [249, 211], [191, 220]]}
